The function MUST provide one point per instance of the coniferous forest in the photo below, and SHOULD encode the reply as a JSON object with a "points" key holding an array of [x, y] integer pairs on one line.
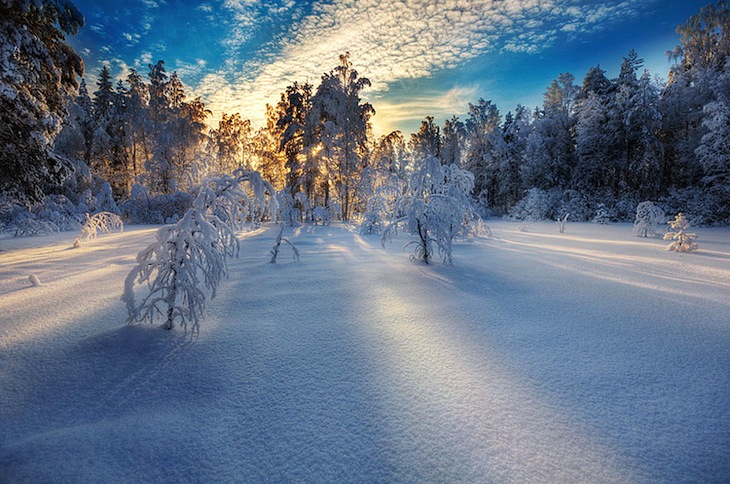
{"points": [[140, 147]]}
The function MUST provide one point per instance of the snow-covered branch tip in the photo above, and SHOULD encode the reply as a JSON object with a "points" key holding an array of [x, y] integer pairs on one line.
{"points": [[99, 222], [277, 246]]}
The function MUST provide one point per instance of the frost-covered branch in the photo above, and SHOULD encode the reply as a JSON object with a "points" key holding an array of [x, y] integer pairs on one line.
{"points": [[277, 246]]}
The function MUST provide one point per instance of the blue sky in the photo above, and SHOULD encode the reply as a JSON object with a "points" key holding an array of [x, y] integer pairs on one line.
{"points": [[424, 57]]}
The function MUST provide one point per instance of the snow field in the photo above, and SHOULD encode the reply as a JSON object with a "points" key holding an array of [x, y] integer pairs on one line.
{"points": [[588, 356]]}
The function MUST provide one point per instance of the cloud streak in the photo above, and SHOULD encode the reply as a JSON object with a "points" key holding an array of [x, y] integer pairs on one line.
{"points": [[392, 41]]}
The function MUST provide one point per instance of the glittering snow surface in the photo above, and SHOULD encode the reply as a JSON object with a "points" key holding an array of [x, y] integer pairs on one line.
{"points": [[589, 356]]}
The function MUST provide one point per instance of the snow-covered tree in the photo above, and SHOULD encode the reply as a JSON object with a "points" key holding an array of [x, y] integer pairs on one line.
{"points": [[452, 141], [338, 123], [182, 268], [482, 133], [436, 208], [38, 74], [427, 142], [648, 219], [682, 240], [714, 155], [536, 205], [293, 109]]}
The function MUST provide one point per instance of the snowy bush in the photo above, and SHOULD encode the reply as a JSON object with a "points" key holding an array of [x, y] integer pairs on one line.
{"points": [[60, 211], [693, 202], [683, 241], [435, 209], [322, 216], [378, 207], [536, 205], [625, 207], [31, 227], [99, 222], [289, 215], [574, 203], [648, 219], [371, 223], [181, 270], [141, 208], [603, 215]]}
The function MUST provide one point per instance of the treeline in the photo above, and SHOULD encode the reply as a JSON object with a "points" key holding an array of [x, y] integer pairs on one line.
{"points": [[597, 146]]}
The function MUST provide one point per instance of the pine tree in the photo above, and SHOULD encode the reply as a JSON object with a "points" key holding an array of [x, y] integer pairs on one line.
{"points": [[293, 109], [427, 142], [683, 241], [648, 219], [452, 141]]}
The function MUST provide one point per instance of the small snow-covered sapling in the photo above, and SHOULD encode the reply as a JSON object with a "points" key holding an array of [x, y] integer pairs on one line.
{"points": [[277, 246], [561, 222], [683, 241]]}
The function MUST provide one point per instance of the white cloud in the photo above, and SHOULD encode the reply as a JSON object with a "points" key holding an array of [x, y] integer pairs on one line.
{"points": [[392, 41]]}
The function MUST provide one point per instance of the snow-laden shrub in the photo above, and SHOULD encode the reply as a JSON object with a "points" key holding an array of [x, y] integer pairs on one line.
{"points": [[141, 208], [31, 227], [536, 205], [682, 241], [648, 219], [181, 271], [99, 222], [434, 210], [693, 202], [60, 211], [379, 205], [322, 216], [289, 215], [371, 223], [603, 215], [105, 201], [625, 208], [574, 203]]}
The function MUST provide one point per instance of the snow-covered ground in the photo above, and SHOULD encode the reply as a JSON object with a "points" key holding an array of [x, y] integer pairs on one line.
{"points": [[589, 356]]}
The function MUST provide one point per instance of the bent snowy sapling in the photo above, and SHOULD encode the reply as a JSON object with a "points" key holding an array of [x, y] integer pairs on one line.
{"points": [[181, 270]]}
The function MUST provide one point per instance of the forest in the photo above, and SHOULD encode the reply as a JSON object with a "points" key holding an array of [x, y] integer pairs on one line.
{"points": [[141, 147]]}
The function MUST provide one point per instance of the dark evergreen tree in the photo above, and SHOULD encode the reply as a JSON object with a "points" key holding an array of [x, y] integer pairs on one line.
{"points": [[39, 75]]}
